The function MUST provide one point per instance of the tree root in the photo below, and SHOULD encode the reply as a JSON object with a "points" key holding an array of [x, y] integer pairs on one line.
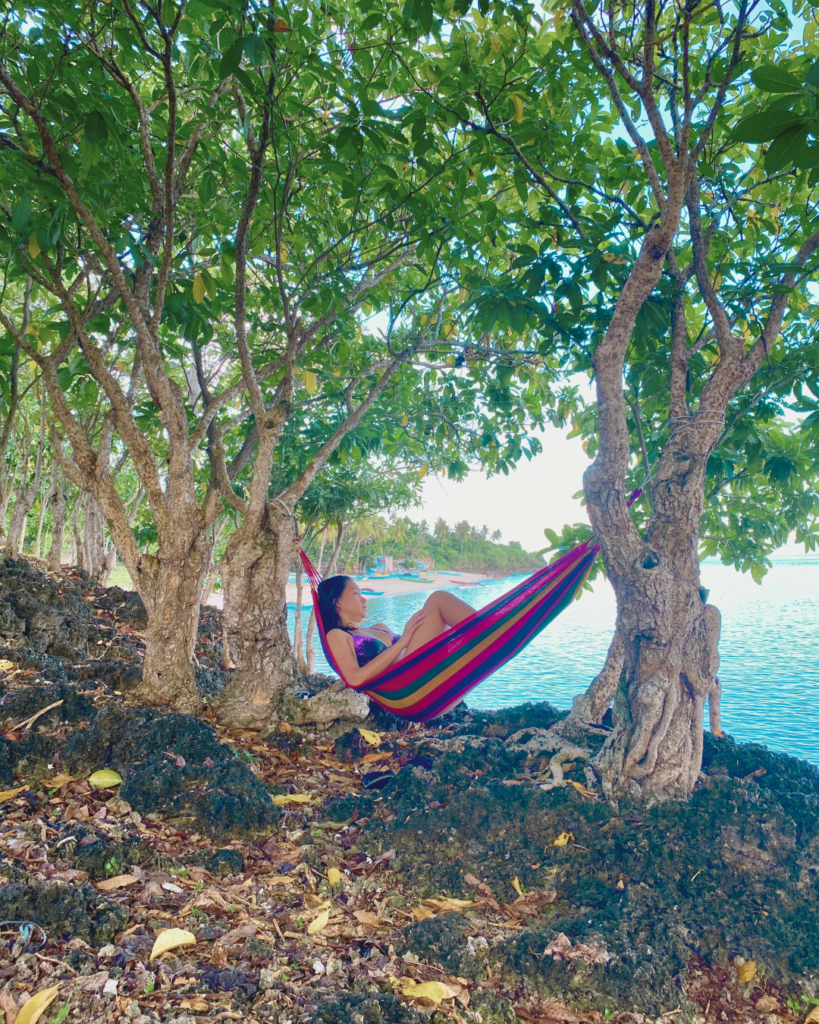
{"points": [[325, 707], [540, 740]]}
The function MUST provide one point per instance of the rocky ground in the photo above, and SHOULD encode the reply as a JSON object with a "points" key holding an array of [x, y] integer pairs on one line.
{"points": [[387, 875]]}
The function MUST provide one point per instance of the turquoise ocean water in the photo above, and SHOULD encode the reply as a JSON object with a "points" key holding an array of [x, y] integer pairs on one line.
{"points": [[769, 651]]}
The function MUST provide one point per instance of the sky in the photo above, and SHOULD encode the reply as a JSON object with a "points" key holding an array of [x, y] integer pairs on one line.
{"points": [[535, 495]]}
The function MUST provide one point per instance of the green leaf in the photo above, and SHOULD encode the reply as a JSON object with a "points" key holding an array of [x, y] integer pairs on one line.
{"points": [[95, 128], [21, 214], [812, 77], [774, 79], [788, 148], [232, 59], [255, 49], [765, 125], [420, 11], [207, 187]]}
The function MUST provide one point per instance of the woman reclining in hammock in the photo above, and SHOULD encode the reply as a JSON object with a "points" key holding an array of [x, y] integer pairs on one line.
{"points": [[364, 653]]}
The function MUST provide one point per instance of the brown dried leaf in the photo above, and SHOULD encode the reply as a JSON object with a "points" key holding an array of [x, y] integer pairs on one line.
{"points": [[369, 920], [813, 1016], [197, 1004], [8, 1006], [117, 882]]}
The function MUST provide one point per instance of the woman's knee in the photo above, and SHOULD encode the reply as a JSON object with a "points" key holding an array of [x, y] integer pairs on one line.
{"points": [[433, 602]]}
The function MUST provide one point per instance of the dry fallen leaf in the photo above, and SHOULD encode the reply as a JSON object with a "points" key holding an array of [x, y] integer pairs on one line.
{"points": [[581, 789], [319, 923], [59, 780], [117, 882], [5, 664], [564, 839], [372, 758], [172, 938], [422, 913], [105, 779], [746, 972], [291, 798], [516, 885], [38, 1003], [197, 1004], [813, 1016], [333, 876], [447, 906], [370, 920], [8, 1006], [427, 993], [370, 737], [10, 794]]}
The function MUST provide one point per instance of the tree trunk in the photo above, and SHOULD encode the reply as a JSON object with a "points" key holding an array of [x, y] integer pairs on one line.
{"points": [[38, 539], [669, 636], [93, 541], [254, 618], [592, 705], [309, 645], [18, 519], [5, 498], [172, 598]]}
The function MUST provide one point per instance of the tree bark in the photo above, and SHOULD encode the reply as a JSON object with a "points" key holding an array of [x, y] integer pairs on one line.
{"points": [[172, 601], [255, 568], [592, 705], [39, 538], [26, 493], [668, 635]]}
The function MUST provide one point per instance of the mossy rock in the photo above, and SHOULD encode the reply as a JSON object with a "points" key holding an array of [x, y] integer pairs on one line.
{"points": [[532, 715], [100, 857], [440, 940], [734, 871], [174, 765], [365, 1009], [76, 706], [8, 758], [226, 862], [64, 912]]}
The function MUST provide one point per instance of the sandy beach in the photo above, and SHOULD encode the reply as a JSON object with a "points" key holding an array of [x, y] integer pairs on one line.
{"points": [[387, 586]]}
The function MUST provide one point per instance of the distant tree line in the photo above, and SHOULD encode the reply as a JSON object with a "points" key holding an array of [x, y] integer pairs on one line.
{"points": [[459, 547]]}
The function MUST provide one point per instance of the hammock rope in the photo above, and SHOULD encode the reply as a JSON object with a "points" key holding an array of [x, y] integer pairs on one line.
{"points": [[436, 677]]}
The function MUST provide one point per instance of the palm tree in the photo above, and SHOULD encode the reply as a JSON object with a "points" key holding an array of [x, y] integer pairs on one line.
{"points": [[496, 536], [462, 533], [440, 531]]}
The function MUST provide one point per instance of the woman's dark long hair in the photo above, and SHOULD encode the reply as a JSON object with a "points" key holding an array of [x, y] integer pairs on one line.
{"points": [[329, 591]]}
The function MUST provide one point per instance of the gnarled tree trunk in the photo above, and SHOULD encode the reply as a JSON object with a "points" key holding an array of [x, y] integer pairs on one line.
{"points": [[669, 637], [255, 568], [172, 596]]}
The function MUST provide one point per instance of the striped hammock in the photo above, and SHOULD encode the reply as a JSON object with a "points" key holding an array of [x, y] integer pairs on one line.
{"points": [[437, 676]]}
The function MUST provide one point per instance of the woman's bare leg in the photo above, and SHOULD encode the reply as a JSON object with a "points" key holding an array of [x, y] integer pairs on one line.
{"points": [[443, 611]]}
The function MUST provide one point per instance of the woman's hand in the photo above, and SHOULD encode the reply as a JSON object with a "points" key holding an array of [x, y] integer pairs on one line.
{"points": [[413, 624]]}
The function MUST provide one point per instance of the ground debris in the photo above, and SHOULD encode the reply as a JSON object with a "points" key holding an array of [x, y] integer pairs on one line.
{"points": [[511, 902]]}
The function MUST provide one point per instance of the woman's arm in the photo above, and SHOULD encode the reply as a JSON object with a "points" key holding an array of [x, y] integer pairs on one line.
{"points": [[343, 650]]}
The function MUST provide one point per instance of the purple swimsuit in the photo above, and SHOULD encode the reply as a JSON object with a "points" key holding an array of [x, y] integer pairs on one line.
{"points": [[368, 647]]}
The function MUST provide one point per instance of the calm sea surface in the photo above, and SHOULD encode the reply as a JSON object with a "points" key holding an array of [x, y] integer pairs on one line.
{"points": [[769, 651]]}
